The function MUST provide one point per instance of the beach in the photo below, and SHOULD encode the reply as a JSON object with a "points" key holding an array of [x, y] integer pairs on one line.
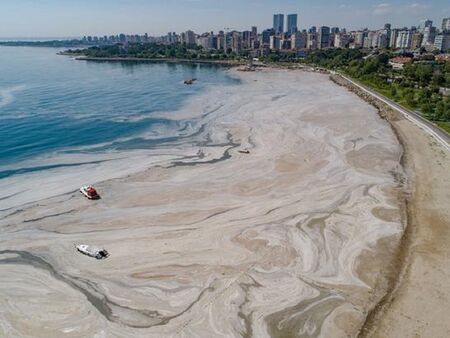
{"points": [[297, 238]]}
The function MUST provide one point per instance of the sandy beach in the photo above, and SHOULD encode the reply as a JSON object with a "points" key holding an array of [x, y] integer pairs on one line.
{"points": [[298, 238]]}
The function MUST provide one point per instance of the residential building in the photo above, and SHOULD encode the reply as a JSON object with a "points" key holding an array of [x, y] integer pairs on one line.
{"points": [[265, 36], [370, 40], [311, 40], [341, 40], [381, 40], [236, 42], [393, 38], [220, 41], [278, 23], [275, 42], [446, 25], [189, 37], [359, 38], [429, 34], [246, 39], [285, 44], [291, 23], [404, 39], [298, 40], [416, 40], [442, 42]]}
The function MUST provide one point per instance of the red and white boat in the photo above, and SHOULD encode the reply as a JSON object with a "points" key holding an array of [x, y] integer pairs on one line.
{"points": [[90, 192]]}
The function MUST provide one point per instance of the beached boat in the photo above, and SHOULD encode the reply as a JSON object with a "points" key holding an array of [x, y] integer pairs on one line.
{"points": [[244, 151], [92, 251], [90, 192]]}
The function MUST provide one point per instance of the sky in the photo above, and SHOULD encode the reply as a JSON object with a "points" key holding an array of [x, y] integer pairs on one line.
{"points": [[75, 18]]}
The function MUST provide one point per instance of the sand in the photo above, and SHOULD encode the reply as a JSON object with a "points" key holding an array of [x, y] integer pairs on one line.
{"points": [[420, 301], [292, 239]]}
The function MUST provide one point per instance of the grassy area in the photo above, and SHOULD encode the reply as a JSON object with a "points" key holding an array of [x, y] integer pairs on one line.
{"points": [[385, 92], [444, 125]]}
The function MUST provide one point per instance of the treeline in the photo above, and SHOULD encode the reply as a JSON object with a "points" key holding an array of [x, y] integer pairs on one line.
{"points": [[153, 51], [52, 43], [417, 85]]}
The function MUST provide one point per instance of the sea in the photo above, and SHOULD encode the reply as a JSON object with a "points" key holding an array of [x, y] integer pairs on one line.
{"points": [[64, 122]]}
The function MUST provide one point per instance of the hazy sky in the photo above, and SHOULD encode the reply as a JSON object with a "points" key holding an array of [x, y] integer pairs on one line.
{"points": [[63, 18]]}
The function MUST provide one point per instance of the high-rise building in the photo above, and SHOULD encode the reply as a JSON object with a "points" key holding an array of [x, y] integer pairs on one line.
{"points": [[292, 23], [369, 40], [275, 42], [416, 40], [311, 40], [334, 30], [298, 40], [359, 38], [429, 33], [404, 39], [206, 40], [428, 23], [442, 42], [246, 39], [341, 40], [236, 42], [254, 33], [323, 37], [278, 23], [265, 36], [393, 38], [220, 41], [446, 25], [190, 37]]}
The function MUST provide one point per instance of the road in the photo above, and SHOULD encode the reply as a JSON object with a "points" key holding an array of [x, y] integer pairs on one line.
{"points": [[437, 133]]}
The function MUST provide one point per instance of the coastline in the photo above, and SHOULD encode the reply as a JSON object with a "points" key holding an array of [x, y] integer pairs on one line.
{"points": [[397, 312], [281, 235], [164, 60]]}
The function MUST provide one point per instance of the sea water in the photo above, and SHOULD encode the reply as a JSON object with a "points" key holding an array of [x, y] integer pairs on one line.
{"points": [[59, 115]]}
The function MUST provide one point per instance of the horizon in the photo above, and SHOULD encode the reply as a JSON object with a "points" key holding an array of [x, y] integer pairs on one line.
{"points": [[71, 20]]}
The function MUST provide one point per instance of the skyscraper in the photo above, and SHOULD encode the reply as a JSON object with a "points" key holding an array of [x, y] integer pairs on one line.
{"points": [[446, 24], [442, 42], [393, 38], [404, 39], [265, 36], [292, 23], [429, 34], [323, 37], [278, 23], [254, 33]]}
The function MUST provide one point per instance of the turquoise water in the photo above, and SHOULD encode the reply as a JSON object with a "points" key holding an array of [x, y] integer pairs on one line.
{"points": [[52, 104]]}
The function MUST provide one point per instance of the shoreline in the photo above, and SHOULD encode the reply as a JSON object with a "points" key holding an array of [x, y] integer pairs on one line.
{"points": [[400, 260], [281, 235], [230, 63], [387, 318]]}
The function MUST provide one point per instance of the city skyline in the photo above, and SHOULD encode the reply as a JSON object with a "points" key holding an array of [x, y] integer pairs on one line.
{"points": [[52, 18]]}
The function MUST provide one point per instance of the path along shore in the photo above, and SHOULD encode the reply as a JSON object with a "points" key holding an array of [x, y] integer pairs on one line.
{"points": [[419, 295]]}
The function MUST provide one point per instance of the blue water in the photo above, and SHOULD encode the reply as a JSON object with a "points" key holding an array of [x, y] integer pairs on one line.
{"points": [[54, 104]]}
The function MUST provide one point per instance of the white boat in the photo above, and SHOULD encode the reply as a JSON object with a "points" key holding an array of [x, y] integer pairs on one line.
{"points": [[90, 192], [92, 251]]}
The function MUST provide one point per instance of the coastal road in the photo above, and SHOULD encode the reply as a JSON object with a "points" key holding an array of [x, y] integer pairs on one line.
{"points": [[439, 135]]}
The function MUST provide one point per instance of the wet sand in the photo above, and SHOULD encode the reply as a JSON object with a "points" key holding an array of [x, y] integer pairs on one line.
{"points": [[291, 240]]}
